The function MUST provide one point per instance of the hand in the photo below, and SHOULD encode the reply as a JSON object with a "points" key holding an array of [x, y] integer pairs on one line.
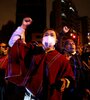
{"points": [[63, 85], [58, 85], [66, 29], [26, 22], [87, 91]]}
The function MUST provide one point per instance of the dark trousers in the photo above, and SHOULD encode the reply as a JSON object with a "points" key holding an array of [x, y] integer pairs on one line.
{"points": [[14, 92], [75, 95]]}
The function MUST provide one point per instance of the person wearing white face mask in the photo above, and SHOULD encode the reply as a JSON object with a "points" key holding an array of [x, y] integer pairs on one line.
{"points": [[49, 72], [48, 41]]}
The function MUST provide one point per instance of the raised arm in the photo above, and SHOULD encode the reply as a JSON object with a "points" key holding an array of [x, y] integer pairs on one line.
{"points": [[20, 31]]}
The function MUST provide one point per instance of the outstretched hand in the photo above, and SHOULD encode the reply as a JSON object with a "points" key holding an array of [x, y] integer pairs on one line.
{"points": [[26, 22]]}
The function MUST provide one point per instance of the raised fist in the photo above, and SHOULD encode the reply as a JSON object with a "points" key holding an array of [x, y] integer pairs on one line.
{"points": [[26, 22]]}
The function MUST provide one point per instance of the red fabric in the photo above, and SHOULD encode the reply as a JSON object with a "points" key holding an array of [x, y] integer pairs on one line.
{"points": [[16, 67], [4, 63], [59, 69], [61, 64]]}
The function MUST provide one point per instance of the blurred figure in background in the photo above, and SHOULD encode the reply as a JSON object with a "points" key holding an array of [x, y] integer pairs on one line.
{"points": [[81, 72], [3, 55], [3, 67], [86, 55]]}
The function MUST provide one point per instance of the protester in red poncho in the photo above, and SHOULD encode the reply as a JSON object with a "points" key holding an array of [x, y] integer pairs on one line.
{"points": [[49, 72]]}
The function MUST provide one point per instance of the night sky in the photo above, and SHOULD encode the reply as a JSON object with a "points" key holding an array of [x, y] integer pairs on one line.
{"points": [[8, 9], [83, 7]]}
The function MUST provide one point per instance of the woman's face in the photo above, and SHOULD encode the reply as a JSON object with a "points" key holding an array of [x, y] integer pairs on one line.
{"points": [[49, 39]]}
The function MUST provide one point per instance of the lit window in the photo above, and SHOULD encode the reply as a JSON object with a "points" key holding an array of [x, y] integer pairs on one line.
{"points": [[62, 1], [74, 31], [88, 37], [88, 33], [88, 43], [71, 9], [63, 15], [71, 34], [74, 36]]}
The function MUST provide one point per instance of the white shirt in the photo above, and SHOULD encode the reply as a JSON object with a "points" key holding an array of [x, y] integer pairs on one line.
{"points": [[18, 33]]}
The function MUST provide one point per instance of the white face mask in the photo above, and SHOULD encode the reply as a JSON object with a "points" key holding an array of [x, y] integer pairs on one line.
{"points": [[48, 41]]}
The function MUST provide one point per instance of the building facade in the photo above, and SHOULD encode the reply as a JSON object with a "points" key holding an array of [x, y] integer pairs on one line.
{"points": [[48, 14]]}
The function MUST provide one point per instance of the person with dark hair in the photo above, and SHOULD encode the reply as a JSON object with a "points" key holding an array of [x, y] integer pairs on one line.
{"points": [[4, 55], [81, 91], [49, 72], [3, 67]]}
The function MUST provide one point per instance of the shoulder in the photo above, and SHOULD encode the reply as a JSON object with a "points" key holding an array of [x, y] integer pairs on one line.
{"points": [[62, 57]]}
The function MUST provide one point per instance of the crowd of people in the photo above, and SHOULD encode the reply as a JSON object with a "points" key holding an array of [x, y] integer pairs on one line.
{"points": [[32, 72]]}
